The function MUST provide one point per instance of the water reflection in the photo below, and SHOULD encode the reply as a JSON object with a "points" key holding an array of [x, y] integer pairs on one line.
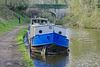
{"points": [[50, 60], [47, 60]]}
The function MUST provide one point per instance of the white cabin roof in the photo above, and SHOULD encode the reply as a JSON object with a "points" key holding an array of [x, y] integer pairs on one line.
{"points": [[38, 19]]}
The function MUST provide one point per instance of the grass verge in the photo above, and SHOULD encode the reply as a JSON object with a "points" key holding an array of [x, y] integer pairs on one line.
{"points": [[9, 19], [7, 26], [27, 61]]}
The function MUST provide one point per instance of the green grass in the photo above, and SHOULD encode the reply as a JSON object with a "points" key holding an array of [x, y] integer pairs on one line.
{"points": [[7, 26], [27, 61], [9, 19], [11, 24]]}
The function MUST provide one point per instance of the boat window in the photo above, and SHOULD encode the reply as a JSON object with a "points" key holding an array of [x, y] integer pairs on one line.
{"points": [[40, 31], [33, 21], [38, 21], [60, 32], [43, 22]]}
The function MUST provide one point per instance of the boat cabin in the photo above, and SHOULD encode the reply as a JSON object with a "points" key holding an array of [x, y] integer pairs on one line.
{"points": [[40, 21]]}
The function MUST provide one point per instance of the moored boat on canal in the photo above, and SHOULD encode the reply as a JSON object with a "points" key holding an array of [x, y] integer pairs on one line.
{"points": [[46, 38]]}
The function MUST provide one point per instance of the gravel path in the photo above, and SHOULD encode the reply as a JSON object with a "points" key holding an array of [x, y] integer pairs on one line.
{"points": [[9, 56]]}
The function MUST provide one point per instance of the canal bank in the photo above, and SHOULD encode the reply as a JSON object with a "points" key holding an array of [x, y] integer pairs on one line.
{"points": [[21, 47], [9, 55]]}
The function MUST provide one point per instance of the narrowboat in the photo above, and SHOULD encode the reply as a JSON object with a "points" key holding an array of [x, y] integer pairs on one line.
{"points": [[46, 38]]}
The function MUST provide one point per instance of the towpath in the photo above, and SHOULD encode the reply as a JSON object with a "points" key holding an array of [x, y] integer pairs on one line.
{"points": [[9, 56]]}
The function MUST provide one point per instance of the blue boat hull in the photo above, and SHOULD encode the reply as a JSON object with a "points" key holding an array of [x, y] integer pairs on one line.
{"points": [[51, 38]]}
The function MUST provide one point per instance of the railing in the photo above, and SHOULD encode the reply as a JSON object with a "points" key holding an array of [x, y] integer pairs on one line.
{"points": [[50, 6]]}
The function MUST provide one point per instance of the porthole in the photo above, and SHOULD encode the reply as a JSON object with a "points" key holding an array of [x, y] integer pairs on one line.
{"points": [[50, 27], [48, 37], [60, 32], [40, 31]]}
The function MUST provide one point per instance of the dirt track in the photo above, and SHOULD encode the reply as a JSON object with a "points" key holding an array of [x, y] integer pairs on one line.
{"points": [[9, 56]]}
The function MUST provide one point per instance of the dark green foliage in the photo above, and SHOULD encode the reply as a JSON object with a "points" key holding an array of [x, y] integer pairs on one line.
{"points": [[15, 4], [22, 7]]}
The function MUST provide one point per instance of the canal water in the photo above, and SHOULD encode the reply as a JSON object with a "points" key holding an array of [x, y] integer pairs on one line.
{"points": [[84, 48]]}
